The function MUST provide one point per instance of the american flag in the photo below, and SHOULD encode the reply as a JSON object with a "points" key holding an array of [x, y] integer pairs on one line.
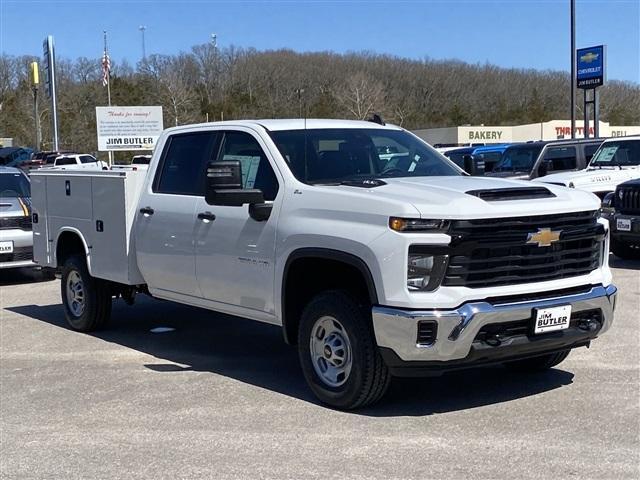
{"points": [[106, 68]]}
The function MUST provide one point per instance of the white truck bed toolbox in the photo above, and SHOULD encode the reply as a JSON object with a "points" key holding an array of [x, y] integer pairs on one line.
{"points": [[100, 207]]}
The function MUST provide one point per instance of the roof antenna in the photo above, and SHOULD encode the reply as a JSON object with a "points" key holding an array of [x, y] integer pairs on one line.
{"points": [[376, 118]]}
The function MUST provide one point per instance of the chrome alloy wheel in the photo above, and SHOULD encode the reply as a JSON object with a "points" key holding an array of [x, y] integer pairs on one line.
{"points": [[330, 349], [75, 293]]}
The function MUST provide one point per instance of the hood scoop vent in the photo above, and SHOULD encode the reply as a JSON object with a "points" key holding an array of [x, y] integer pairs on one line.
{"points": [[506, 194]]}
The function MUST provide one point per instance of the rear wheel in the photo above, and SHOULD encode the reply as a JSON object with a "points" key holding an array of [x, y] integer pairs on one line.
{"points": [[87, 300], [338, 353], [538, 364], [625, 251]]}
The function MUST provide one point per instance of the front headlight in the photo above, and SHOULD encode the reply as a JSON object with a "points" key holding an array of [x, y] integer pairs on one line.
{"points": [[424, 270], [418, 225]]}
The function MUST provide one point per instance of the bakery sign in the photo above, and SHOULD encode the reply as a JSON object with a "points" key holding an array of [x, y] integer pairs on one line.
{"points": [[128, 128]]}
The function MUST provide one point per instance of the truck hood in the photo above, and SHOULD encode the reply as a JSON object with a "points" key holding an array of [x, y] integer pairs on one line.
{"points": [[14, 207], [449, 197], [593, 179]]}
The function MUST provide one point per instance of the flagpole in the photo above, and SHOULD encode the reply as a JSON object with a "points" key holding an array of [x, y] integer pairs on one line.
{"points": [[108, 77]]}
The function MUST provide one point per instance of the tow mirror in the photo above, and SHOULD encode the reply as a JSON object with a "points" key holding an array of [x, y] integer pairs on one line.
{"points": [[224, 186], [472, 165], [608, 203]]}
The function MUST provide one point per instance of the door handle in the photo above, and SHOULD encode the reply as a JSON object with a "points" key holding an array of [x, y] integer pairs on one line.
{"points": [[206, 216], [147, 211]]}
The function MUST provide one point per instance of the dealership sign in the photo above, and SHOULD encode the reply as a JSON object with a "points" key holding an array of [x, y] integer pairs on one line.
{"points": [[128, 128], [591, 67]]}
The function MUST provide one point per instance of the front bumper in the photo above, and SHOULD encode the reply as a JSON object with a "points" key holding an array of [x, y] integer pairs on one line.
{"points": [[457, 343], [626, 236], [22, 255]]}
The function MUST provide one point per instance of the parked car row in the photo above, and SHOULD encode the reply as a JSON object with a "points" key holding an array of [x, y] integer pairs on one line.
{"points": [[595, 165]]}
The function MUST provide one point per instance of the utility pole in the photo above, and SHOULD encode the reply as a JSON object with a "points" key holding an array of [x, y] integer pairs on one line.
{"points": [[142, 29], [35, 82], [573, 68]]}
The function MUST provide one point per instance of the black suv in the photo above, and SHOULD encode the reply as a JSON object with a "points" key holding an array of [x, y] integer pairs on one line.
{"points": [[622, 209]]}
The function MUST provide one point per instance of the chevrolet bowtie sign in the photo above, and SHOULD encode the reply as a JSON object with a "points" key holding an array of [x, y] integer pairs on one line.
{"points": [[544, 237], [590, 67]]}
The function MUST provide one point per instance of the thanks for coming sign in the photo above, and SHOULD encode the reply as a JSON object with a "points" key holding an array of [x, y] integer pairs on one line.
{"points": [[128, 128]]}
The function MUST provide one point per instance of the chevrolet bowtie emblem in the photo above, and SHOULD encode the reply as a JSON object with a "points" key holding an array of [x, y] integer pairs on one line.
{"points": [[544, 237]]}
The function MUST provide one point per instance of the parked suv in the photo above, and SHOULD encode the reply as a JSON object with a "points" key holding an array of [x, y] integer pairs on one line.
{"points": [[616, 161], [526, 161], [622, 209], [16, 237]]}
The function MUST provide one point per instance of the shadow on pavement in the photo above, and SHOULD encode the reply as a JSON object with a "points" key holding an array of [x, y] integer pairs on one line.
{"points": [[255, 353], [22, 276]]}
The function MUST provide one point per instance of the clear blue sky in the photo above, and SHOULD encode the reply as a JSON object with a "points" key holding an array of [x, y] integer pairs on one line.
{"points": [[509, 33]]}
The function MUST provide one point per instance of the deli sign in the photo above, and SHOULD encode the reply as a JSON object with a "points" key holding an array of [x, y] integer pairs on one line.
{"points": [[590, 67], [128, 128]]}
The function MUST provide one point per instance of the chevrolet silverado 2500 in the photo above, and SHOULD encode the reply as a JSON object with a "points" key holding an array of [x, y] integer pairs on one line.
{"points": [[401, 265]]}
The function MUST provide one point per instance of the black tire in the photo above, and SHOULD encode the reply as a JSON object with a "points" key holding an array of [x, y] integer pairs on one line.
{"points": [[625, 251], [96, 309], [538, 364], [369, 376]]}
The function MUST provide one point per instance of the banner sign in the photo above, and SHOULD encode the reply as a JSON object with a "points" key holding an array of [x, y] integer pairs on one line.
{"points": [[591, 67], [128, 128]]}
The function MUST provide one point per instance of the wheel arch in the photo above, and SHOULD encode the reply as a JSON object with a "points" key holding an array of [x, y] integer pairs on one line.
{"points": [[333, 258], [68, 242]]}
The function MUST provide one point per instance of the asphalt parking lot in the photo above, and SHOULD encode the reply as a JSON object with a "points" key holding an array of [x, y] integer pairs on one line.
{"points": [[222, 397]]}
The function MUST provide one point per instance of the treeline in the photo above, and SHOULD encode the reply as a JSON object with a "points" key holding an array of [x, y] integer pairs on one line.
{"points": [[232, 83]]}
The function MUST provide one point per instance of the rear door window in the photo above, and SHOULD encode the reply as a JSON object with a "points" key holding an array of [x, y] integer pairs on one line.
{"points": [[66, 161], [184, 162], [561, 158]]}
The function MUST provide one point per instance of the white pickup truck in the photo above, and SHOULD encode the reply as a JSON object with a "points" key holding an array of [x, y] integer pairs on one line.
{"points": [[616, 161], [373, 266], [75, 161]]}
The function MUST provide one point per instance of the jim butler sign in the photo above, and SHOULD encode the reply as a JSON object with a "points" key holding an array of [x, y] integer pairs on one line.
{"points": [[128, 128]]}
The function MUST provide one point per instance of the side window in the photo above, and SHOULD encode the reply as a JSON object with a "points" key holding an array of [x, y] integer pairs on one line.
{"points": [[66, 161], [184, 162], [256, 169], [561, 158], [589, 150], [87, 159]]}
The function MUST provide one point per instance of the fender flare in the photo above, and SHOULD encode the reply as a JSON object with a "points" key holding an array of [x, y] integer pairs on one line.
{"points": [[328, 254]]}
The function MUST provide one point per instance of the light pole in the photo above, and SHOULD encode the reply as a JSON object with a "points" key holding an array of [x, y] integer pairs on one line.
{"points": [[35, 82], [573, 68], [142, 28]]}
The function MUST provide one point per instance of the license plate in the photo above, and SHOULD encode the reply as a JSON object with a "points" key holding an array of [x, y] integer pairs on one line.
{"points": [[6, 247], [623, 224], [552, 319]]}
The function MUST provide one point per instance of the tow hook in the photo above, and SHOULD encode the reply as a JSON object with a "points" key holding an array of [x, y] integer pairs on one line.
{"points": [[493, 341]]}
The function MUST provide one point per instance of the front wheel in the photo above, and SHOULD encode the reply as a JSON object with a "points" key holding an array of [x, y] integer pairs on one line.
{"points": [[338, 352], [538, 364], [86, 300]]}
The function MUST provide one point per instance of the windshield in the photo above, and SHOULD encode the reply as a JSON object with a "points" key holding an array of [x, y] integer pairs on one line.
{"points": [[617, 154], [336, 155], [14, 185], [518, 159]]}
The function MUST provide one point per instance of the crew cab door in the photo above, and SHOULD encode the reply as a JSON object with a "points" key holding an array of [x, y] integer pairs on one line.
{"points": [[235, 254], [166, 221], [556, 159]]}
